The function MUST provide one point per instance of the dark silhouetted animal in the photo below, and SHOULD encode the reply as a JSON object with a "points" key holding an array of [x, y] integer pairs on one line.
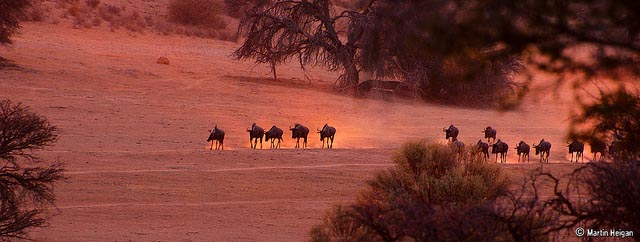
{"points": [[490, 133], [578, 148], [329, 133], [216, 135], [484, 148], [274, 134], [543, 149], [458, 145], [500, 148], [256, 132], [452, 132], [299, 131], [598, 147], [523, 150]]}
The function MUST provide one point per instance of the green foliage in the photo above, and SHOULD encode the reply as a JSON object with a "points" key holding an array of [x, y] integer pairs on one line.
{"points": [[11, 11]]}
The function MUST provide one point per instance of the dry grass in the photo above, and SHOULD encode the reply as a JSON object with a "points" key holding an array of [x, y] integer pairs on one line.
{"points": [[184, 17]]}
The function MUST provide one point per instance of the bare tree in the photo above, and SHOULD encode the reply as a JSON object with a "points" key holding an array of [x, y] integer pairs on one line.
{"points": [[306, 30], [26, 189], [379, 37]]}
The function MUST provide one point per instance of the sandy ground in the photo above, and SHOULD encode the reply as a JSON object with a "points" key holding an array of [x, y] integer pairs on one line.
{"points": [[132, 136]]}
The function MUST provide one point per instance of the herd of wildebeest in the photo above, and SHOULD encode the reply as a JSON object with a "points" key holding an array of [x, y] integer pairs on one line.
{"points": [[298, 131], [500, 148]]}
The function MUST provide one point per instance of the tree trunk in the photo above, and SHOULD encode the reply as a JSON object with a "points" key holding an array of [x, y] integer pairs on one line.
{"points": [[351, 77], [273, 70]]}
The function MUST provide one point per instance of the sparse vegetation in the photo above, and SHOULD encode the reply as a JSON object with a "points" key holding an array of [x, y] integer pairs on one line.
{"points": [[371, 39], [432, 194], [193, 18], [238, 8], [26, 186], [201, 13], [435, 194], [11, 12]]}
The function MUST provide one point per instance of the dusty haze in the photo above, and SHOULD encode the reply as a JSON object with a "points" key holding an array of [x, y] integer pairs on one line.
{"points": [[133, 136]]}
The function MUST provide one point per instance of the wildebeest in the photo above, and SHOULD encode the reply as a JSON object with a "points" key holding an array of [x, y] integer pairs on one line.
{"points": [[489, 133], [274, 134], [578, 148], [216, 135], [523, 150], [452, 132], [543, 149], [458, 145], [256, 132], [598, 146], [329, 133], [484, 148], [500, 148], [299, 131]]}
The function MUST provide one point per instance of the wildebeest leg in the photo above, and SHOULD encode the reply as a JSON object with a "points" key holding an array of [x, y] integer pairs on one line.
{"points": [[571, 158], [323, 143], [222, 144], [331, 147], [211, 145], [260, 142], [546, 158], [304, 143]]}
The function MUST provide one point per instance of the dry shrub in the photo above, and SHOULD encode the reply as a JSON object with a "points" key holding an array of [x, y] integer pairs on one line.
{"points": [[94, 13], [479, 83], [162, 26], [201, 13], [108, 12], [82, 14], [133, 21], [238, 8], [433, 194], [93, 3], [36, 12]]}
